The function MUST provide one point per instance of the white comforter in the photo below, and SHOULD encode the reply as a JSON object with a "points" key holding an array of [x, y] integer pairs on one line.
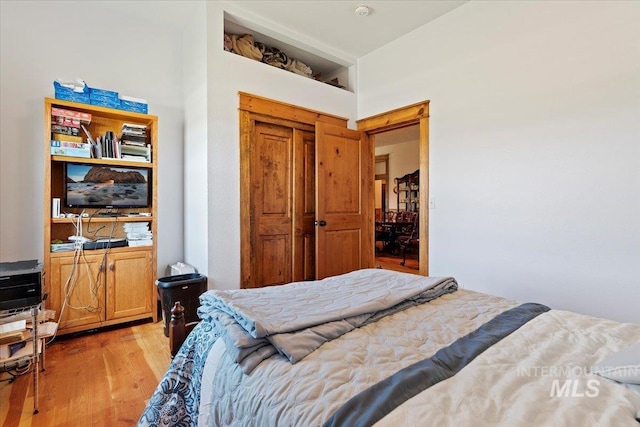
{"points": [[513, 383]]}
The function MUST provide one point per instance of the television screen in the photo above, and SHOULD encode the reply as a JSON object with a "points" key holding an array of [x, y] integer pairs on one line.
{"points": [[95, 186]]}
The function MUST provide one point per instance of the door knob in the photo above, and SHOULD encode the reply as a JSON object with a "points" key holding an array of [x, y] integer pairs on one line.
{"points": [[322, 223]]}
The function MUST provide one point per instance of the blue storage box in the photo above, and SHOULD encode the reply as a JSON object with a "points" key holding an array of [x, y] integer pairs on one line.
{"points": [[136, 107], [67, 94], [72, 96], [95, 93], [103, 102], [63, 90]]}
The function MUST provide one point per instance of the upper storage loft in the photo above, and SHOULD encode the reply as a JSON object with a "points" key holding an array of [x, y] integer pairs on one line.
{"points": [[262, 44]]}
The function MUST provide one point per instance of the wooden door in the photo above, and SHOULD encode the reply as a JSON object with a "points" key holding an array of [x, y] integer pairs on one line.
{"points": [[278, 191], [304, 205], [344, 201], [272, 168], [128, 281], [79, 300]]}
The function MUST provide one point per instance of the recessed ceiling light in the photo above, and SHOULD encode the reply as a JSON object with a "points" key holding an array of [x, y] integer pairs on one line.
{"points": [[362, 11]]}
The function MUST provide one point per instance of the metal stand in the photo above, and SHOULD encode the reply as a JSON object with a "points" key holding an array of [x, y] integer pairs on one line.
{"points": [[36, 363]]}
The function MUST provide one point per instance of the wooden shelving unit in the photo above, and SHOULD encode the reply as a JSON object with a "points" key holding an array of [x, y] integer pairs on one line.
{"points": [[408, 192], [104, 286]]}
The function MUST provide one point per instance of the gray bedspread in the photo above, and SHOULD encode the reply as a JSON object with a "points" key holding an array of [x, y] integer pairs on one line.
{"points": [[296, 319]]}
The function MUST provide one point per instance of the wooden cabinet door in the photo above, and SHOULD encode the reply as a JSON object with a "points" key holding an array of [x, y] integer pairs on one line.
{"points": [[344, 201], [79, 298], [129, 287]]}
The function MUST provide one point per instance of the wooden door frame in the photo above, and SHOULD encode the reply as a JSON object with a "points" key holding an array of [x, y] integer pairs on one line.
{"points": [[399, 118], [382, 158]]}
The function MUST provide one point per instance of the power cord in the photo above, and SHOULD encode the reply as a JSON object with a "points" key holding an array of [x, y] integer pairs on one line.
{"points": [[72, 279]]}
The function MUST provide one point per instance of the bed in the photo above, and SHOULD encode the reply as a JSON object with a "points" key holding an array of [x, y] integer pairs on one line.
{"points": [[376, 347]]}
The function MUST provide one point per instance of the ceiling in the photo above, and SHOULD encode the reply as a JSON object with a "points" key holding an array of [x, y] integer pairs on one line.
{"points": [[398, 136], [335, 24], [332, 23]]}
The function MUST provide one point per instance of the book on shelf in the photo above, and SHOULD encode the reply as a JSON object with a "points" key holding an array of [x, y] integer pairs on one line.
{"points": [[134, 243], [134, 143], [134, 126], [67, 138], [135, 152], [133, 131], [65, 121], [69, 144], [135, 149], [126, 130], [65, 130], [137, 226], [127, 158], [70, 148], [138, 233], [70, 114], [134, 138]]}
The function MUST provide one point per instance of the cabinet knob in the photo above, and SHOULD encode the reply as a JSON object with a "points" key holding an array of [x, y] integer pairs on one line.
{"points": [[111, 266]]}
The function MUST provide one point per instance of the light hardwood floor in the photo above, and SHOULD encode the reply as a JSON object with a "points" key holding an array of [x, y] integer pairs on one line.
{"points": [[94, 379], [389, 262]]}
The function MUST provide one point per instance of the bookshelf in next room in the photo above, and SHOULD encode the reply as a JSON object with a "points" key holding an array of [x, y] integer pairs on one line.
{"points": [[101, 164]]}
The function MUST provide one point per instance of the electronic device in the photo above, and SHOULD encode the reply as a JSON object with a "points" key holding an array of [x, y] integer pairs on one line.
{"points": [[110, 214], [55, 207], [20, 284], [104, 244], [95, 186]]}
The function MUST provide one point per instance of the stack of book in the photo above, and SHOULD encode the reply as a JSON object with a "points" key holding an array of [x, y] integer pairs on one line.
{"points": [[133, 143], [66, 139], [138, 233]]}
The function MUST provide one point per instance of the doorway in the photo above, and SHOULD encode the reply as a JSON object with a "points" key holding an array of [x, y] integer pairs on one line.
{"points": [[405, 117], [396, 198]]}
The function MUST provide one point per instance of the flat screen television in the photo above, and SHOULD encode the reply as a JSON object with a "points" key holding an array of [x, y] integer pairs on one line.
{"points": [[99, 186]]}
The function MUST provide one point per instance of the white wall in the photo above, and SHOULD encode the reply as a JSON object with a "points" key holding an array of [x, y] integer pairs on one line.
{"points": [[534, 147], [404, 158], [227, 74], [195, 139], [41, 41]]}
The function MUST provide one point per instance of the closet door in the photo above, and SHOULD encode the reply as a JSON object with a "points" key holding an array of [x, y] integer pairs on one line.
{"points": [[344, 201], [272, 205], [278, 192], [304, 205]]}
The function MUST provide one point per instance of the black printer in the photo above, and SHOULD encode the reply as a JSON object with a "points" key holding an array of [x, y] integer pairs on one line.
{"points": [[20, 284]]}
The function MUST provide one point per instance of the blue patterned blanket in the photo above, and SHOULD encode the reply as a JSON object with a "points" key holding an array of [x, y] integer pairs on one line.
{"points": [[177, 398]]}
